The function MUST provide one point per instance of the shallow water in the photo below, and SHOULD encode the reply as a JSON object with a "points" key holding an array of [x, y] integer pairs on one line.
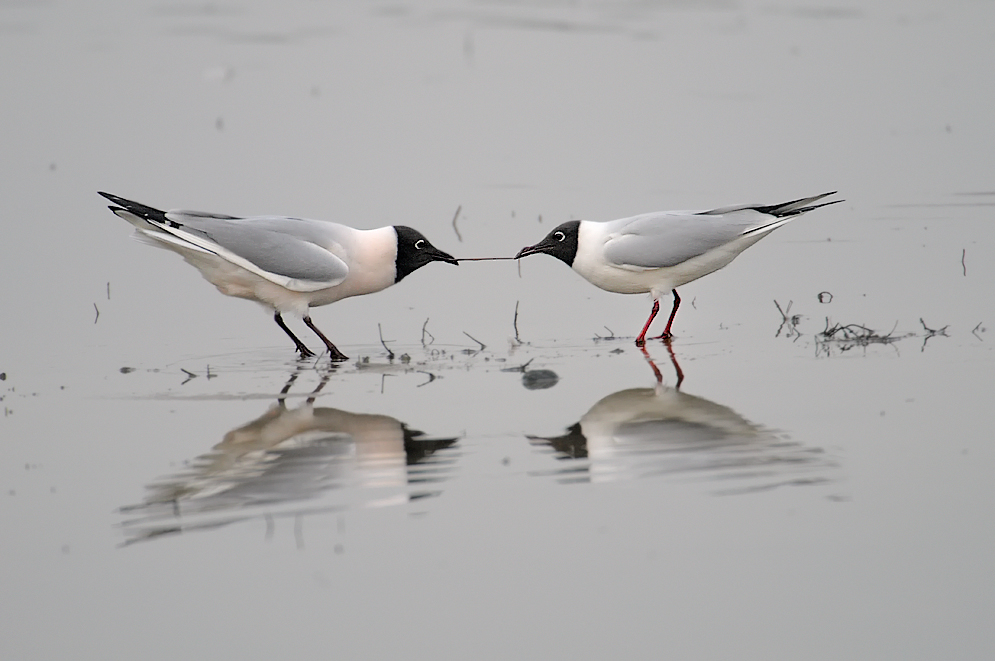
{"points": [[173, 483]]}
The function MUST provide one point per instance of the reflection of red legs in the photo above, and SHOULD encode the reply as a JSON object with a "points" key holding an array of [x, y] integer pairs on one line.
{"points": [[641, 340], [656, 370], [673, 313], [673, 360]]}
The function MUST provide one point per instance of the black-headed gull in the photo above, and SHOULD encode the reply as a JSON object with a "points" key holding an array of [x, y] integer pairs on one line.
{"points": [[286, 264], [658, 252]]}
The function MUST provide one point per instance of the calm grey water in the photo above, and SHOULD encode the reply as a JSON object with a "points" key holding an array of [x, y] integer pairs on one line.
{"points": [[173, 484]]}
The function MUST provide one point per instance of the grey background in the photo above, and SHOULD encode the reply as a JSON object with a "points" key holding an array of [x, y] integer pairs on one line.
{"points": [[859, 525]]}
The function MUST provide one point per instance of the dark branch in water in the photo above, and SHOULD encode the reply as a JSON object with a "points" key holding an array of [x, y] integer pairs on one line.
{"points": [[424, 332], [975, 331], [455, 218], [390, 354], [482, 345], [963, 255], [520, 368], [849, 336], [790, 321], [610, 336], [932, 332], [941, 331], [98, 313], [190, 375], [515, 324]]}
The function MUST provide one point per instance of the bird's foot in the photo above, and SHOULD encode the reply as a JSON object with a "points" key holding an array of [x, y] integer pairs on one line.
{"points": [[305, 352], [337, 356], [666, 337]]}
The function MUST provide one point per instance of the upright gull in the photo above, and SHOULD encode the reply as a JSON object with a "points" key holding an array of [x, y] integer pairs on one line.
{"points": [[658, 252]]}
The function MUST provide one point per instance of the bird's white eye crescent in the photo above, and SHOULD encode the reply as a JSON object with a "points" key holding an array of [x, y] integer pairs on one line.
{"points": [[560, 236], [418, 244]]}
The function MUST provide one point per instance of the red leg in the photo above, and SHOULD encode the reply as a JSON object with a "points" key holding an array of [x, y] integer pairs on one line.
{"points": [[641, 340], [673, 313]]}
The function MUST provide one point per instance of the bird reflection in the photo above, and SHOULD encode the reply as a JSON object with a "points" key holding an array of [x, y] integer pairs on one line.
{"points": [[643, 432], [274, 464]]}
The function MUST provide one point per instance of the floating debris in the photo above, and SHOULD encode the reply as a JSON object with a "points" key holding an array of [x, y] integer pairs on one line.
{"points": [[539, 379]]}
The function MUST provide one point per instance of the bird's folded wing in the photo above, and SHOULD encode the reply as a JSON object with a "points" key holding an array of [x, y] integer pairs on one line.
{"points": [[668, 238], [281, 250]]}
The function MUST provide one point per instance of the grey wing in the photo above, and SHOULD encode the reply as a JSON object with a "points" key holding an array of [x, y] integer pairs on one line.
{"points": [[292, 252], [668, 238]]}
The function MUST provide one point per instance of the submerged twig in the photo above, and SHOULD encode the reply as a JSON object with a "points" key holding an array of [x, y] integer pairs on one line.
{"points": [[515, 324], [455, 218], [975, 331], [390, 354], [482, 345], [431, 378], [790, 321], [519, 368], [963, 255], [849, 336], [940, 331], [98, 313], [424, 332], [930, 332], [190, 375]]}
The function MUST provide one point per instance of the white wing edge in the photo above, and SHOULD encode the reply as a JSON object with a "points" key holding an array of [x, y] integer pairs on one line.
{"points": [[186, 240]]}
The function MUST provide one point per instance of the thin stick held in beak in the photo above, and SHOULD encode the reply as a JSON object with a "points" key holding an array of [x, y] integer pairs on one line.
{"points": [[481, 259]]}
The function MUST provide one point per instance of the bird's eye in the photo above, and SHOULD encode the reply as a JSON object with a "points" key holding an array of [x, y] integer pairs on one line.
{"points": [[560, 236], [418, 244]]}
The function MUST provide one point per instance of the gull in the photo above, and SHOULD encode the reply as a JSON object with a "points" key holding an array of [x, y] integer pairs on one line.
{"points": [[289, 265], [658, 252]]}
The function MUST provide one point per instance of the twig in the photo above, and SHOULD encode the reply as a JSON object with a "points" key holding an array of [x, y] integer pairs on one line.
{"points": [[482, 345], [431, 378], [424, 332], [520, 368], [390, 354], [790, 321], [190, 375], [612, 336], [98, 313], [932, 333], [975, 331], [854, 335], [456, 229], [963, 255], [108, 291], [515, 324], [941, 331], [481, 259]]}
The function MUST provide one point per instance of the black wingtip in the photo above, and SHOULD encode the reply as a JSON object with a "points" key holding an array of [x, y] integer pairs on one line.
{"points": [[135, 208]]}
